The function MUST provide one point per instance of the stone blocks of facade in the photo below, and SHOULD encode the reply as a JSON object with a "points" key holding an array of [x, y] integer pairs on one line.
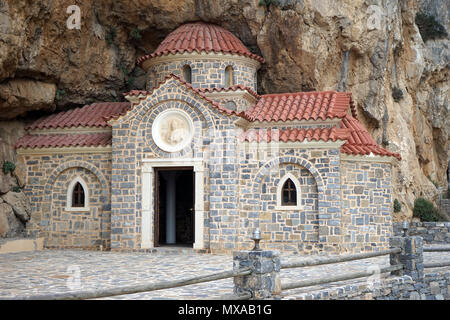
{"points": [[208, 70], [133, 141], [317, 224], [48, 179], [431, 232], [366, 205]]}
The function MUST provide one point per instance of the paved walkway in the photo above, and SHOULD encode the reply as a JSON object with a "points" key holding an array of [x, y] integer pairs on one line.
{"points": [[54, 271]]}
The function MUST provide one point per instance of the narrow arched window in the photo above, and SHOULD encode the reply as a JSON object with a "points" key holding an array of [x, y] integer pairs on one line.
{"points": [[229, 76], [78, 196], [289, 194], [187, 74], [153, 79]]}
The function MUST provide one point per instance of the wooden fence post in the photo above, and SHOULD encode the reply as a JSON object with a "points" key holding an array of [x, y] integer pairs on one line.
{"points": [[264, 281]]}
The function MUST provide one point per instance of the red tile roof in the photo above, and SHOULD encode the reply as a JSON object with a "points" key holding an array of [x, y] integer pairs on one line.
{"points": [[360, 142], [94, 115], [201, 37], [300, 106], [64, 140], [295, 135], [232, 88]]}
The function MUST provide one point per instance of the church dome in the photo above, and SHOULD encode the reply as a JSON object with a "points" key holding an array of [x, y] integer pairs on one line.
{"points": [[201, 37]]}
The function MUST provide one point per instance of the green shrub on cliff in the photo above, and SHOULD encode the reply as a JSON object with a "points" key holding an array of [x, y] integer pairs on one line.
{"points": [[426, 211], [8, 167], [397, 206]]}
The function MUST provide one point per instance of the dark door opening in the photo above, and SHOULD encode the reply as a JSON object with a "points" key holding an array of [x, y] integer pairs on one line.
{"points": [[174, 220]]}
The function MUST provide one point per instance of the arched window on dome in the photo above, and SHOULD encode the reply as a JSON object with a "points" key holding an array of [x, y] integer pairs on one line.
{"points": [[187, 73], [154, 79], [229, 76]]}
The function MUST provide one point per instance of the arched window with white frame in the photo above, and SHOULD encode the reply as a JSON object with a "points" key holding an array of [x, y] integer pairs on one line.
{"points": [[288, 193], [77, 195]]}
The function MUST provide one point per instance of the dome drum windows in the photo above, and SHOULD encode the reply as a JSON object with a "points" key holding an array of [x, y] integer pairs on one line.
{"points": [[187, 73], [288, 193], [229, 81]]}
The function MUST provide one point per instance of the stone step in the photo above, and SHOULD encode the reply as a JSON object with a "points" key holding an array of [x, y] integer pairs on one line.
{"points": [[21, 244], [173, 250]]}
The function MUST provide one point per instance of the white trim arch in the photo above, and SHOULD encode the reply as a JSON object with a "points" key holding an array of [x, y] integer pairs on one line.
{"points": [[279, 196], [72, 184]]}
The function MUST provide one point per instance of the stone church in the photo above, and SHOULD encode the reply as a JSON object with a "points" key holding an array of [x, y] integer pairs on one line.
{"points": [[201, 159]]}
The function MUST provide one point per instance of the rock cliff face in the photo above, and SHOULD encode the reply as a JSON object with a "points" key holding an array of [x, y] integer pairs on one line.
{"points": [[367, 47]]}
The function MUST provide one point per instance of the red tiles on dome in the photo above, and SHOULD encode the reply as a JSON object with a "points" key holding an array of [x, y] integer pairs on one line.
{"points": [[232, 88], [360, 141], [201, 37], [94, 115], [64, 140], [300, 106], [295, 135]]}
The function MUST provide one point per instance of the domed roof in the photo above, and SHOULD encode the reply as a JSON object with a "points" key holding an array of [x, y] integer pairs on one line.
{"points": [[201, 37]]}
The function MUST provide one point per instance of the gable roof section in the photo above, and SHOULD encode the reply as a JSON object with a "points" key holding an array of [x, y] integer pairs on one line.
{"points": [[360, 142], [93, 115], [196, 91], [64, 140], [201, 37], [295, 135], [300, 106]]}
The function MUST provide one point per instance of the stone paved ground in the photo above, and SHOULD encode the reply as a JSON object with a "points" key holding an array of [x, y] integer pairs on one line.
{"points": [[52, 271]]}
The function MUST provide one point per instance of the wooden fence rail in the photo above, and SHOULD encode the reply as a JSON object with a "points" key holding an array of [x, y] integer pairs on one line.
{"points": [[316, 261], [117, 291], [436, 249], [437, 264], [340, 277], [233, 297]]}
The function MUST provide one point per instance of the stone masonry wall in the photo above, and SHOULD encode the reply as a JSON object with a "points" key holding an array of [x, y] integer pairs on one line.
{"points": [[206, 73], [75, 228], [314, 228], [434, 287], [241, 104], [366, 205], [431, 232], [48, 178]]}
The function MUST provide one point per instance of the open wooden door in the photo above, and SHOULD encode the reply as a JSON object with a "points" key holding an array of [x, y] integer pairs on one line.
{"points": [[157, 208]]}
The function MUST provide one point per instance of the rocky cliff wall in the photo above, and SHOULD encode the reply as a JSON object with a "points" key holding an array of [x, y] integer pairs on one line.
{"points": [[367, 47]]}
